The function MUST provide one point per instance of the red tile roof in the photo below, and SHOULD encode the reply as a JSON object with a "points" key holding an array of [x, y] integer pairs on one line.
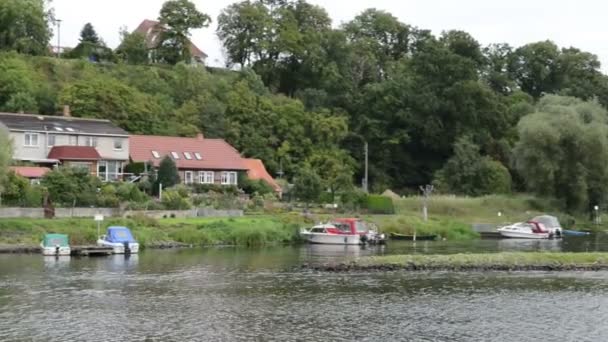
{"points": [[30, 171], [216, 154], [74, 153], [150, 29], [256, 171]]}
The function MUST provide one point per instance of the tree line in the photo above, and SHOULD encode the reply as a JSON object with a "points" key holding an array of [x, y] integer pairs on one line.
{"points": [[304, 96]]}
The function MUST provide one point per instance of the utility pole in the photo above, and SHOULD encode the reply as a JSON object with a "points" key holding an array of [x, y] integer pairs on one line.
{"points": [[366, 176], [426, 193], [58, 21]]}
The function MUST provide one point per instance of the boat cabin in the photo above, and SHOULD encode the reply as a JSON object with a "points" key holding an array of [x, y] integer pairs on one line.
{"points": [[350, 226], [55, 240], [118, 234]]}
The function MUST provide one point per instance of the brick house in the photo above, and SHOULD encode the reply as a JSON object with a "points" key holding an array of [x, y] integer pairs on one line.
{"points": [[198, 160]]}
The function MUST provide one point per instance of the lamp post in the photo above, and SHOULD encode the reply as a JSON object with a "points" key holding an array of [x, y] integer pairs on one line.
{"points": [[58, 21]]}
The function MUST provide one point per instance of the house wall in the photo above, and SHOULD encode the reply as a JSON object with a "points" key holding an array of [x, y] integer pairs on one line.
{"points": [[105, 145], [216, 173]]}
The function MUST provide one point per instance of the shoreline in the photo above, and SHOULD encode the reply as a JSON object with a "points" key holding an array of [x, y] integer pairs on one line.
{"points": [[505, 261], [29, 249]]}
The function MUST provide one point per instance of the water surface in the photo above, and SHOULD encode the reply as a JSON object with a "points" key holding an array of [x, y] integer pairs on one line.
{"points": [[232, 294]]}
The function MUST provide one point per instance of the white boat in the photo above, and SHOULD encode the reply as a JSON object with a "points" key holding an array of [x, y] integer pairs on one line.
{"points": [[120, 239], [55, 244], [525, 230], [329, 234], [551, 225]]}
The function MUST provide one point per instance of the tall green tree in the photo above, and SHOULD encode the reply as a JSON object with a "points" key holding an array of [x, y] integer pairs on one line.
{"points": [[307, 185], [178, 18], [132, 48], [88, 34], [6, 154], [24, 26], [167, 175], [562, 152]]}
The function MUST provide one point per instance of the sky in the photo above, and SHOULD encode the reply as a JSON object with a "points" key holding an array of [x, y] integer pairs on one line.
{"points": [[517, 22]]}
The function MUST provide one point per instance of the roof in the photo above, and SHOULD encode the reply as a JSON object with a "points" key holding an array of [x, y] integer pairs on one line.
{"points": [[30, 171], [74, 153], [257, 171], [216, 154], [150, 29], [65, 124]]}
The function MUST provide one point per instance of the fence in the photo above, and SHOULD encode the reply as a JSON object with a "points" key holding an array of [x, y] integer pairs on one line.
{"points": [[112, 212]]}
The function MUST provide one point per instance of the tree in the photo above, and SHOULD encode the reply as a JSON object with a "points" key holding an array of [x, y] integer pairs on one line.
{"points": [[88, 34], [133, 48], [335, 168], [307, 185], [562, 152], [178, 17], [167, 175], [24, 26]]}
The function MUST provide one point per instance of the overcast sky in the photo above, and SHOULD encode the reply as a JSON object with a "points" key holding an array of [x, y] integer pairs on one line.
{"points": [[578, 23]]}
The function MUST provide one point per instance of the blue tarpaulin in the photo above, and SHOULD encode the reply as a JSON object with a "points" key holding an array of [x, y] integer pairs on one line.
{"points": [[119, 234]]}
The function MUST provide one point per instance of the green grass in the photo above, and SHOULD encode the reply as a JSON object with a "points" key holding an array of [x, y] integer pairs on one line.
{"points": [[506, 259], [245, 231]]}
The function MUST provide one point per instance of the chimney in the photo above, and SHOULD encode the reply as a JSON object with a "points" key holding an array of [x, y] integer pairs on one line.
{"points": [[66, 111], [200, 136]]}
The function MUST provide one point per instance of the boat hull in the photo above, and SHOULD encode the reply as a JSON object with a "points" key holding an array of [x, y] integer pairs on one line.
{"points": [[119, 248], [331, 239], [523, 235], [62, 251]]}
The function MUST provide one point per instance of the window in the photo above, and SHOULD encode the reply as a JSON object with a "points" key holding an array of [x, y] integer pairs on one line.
{"points": [[229, 178], [155, 154], [118, 144], [188, 155], [90, 141], [51, 140], [206, 177], [69, 129], [175, 155], [80, 165], [197, 156], [59, 129], [31, 139], [73, 140], [109, 170], [189, 179]]}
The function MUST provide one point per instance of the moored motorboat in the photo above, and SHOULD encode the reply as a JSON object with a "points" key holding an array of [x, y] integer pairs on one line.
{"points": [[55, 244], [396, 236], [551, 225], [567, 232], [120, 239], [343, 232], [525, 230]]}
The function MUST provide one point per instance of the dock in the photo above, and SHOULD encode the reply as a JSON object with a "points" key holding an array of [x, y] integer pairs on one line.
{"points": [[487, 231], [91, 250]]}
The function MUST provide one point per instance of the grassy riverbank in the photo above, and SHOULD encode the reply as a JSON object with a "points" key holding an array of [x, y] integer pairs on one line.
{"points": [[242, 231], [505, 261]]}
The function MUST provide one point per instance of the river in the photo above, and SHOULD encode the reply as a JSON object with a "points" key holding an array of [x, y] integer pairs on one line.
{"points": [[236, 294]]}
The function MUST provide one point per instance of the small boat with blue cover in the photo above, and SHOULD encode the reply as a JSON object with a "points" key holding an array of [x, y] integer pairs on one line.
{"points": [[120, 239]]}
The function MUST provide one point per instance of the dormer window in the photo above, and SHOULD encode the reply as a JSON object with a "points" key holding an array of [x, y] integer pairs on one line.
{"points": [[59, 129], [188, 155], [155, 154], [197, 156], [69, 129], [175, 155]]}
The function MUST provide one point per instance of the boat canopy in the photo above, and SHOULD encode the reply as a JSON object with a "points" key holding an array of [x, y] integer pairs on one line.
{"points": [[119, 234], [54, 240], [548, 221]]}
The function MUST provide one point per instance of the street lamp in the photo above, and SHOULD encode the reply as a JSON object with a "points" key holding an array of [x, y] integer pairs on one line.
{"points": [[58, 21]]}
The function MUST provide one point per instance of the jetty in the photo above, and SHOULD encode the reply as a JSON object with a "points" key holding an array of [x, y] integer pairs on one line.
{"points": [[91, 250]]}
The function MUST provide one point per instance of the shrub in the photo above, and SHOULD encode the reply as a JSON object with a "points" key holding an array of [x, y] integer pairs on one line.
{"points": [[173, 200], [129, 192], [377, 204], [493, 178]]}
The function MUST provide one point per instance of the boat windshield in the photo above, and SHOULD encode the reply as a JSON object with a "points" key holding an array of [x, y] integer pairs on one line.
{"points": [[317, 230], [343, 227]]}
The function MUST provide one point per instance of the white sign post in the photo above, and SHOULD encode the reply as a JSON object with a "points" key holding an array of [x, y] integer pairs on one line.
{"points": [[98, 218]]}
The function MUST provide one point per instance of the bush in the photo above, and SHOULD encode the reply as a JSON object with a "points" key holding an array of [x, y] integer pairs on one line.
{"points": [[252, 187], [129, 192], [493, 178], [377, 204], [173, 200]]}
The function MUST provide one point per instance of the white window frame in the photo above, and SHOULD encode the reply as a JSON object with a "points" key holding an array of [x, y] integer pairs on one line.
{"points": [[28, 139], [198, 156], [49, 138], [73, 140], [118, 142], [187, 155], [90, 141], [175, 155], [155, 154], [229, 178], [208, 177], [189, 177]]}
